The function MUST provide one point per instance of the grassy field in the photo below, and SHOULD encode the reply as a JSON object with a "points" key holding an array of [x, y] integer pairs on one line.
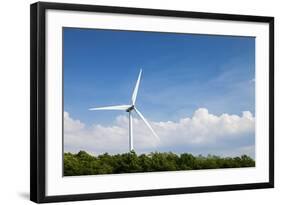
{"points": [[83, 163]]}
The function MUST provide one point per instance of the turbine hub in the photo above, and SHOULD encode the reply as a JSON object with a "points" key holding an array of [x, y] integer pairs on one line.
{"points": [[130, 108]]}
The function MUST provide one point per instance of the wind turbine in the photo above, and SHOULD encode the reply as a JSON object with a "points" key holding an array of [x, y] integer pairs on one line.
{"points": [[129, 108]]}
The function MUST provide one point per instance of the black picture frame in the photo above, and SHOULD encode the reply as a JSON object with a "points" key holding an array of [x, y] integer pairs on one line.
{"points": [[38, 101]]}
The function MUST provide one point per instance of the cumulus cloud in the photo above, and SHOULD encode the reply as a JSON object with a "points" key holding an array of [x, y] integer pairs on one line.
{"points": [[203, 129], [71, 125]]}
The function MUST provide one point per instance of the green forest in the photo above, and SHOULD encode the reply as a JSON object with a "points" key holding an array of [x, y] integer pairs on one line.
{"points": [[83, 163]]}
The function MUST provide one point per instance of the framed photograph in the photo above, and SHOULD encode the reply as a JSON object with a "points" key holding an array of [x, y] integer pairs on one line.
{"points": [[129, 102]]}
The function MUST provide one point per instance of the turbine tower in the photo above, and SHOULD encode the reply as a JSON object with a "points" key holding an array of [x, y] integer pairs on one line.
{"points": [[129, 108]]}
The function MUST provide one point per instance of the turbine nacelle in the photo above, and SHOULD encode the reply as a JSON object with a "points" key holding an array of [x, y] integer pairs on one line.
{"points": [[129, 108]]}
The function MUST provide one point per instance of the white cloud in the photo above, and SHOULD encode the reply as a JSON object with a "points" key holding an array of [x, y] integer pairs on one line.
{"points": [[71, 125], [202, 129]]}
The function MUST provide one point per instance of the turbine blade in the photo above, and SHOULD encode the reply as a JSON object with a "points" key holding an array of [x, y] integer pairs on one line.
{"points": [[135, 93], [146, 122], [116, 107]]}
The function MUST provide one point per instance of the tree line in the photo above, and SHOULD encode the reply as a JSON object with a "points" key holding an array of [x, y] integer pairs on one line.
{"points": [[83, 163]]}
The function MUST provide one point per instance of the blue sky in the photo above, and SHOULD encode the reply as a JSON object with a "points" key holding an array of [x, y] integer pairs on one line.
{"points": [[181, 73]]}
